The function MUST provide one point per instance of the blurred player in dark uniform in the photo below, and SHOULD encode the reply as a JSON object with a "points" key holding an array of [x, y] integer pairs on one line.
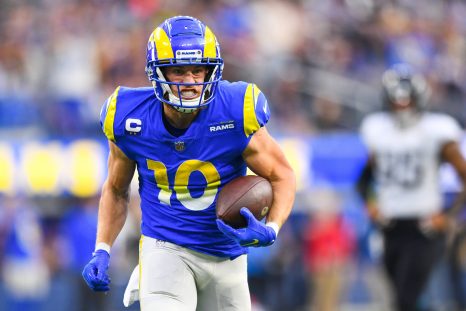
{"points": [[187, 139], [406, 145]]}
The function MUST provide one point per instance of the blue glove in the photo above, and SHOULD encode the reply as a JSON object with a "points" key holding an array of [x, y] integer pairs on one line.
{"points": [[95, 272], [255, 234]]}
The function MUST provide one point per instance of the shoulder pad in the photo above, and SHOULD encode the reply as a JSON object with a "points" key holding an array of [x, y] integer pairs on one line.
{"points": [[107, 115], [124, 102], [256, 112]]}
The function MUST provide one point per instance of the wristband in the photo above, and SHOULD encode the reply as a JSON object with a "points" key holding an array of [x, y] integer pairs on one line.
{"points": [[274, 226], [102, 246]]}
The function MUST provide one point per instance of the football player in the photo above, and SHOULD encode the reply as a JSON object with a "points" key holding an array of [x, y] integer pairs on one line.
{"points": [[406, 145], [187, 136]]}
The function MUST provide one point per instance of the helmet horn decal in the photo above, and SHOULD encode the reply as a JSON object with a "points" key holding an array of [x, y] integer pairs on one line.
{"points": [[162, 44], [210, 47]]}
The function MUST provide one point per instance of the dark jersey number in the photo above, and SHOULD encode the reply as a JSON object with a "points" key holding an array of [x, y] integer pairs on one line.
{"points": [[399, 169]]}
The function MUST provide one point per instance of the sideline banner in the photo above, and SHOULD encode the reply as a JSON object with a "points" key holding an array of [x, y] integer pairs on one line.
{"points": [[79, 167], [52, 167]]}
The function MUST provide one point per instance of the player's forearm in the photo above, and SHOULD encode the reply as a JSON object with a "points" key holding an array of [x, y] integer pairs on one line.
{"points": [[451, 153], [113, 209], [364, 182], [457, 205], [284, 189]]}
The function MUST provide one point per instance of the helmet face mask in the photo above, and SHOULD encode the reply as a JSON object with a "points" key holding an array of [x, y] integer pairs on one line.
{"points": [[183, 41]]}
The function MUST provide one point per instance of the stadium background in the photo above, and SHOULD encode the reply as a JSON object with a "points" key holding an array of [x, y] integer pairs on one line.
{"points": [[318, 62]]}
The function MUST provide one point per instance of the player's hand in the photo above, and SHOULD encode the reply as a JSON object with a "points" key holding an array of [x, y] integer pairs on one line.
{"points": [[255, 234], [375, 216], [436, 223], [95, 272], [373, 211]]}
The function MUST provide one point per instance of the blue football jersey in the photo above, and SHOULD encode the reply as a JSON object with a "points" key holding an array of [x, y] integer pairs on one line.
{"points": [[180, 177]]}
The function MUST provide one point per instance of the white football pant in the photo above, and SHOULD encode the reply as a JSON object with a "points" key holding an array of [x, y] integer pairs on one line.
{"points": [[174, 278]]}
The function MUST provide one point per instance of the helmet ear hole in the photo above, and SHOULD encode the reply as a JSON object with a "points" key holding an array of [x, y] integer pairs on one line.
{"points": [[207, 94], [210, 71], [163, 71]]}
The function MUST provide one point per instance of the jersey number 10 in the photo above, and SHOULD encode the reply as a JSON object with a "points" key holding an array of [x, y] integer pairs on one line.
{"points": [[180, 185]]}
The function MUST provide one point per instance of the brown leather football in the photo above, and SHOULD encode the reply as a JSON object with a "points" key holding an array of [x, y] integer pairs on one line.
{"points": [[253, 192]]}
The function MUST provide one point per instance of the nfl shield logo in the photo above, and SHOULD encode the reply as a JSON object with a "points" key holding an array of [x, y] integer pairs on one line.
{"points": [[179, 145]]}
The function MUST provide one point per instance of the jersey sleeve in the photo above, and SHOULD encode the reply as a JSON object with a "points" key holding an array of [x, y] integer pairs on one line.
{"points": [[448, 130], [256, 112], [107, 115], [368, 132]]}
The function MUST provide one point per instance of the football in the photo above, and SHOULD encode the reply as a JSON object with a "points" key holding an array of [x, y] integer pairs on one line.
{"points": [[253, 192]]}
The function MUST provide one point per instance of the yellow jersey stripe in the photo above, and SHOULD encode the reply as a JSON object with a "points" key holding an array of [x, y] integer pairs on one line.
{"points": [[210, 43], [162, 44], [110, 117], [251, 124]]}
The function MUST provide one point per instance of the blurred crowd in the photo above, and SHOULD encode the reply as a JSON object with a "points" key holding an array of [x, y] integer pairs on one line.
{"points": [[318, 62]]}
